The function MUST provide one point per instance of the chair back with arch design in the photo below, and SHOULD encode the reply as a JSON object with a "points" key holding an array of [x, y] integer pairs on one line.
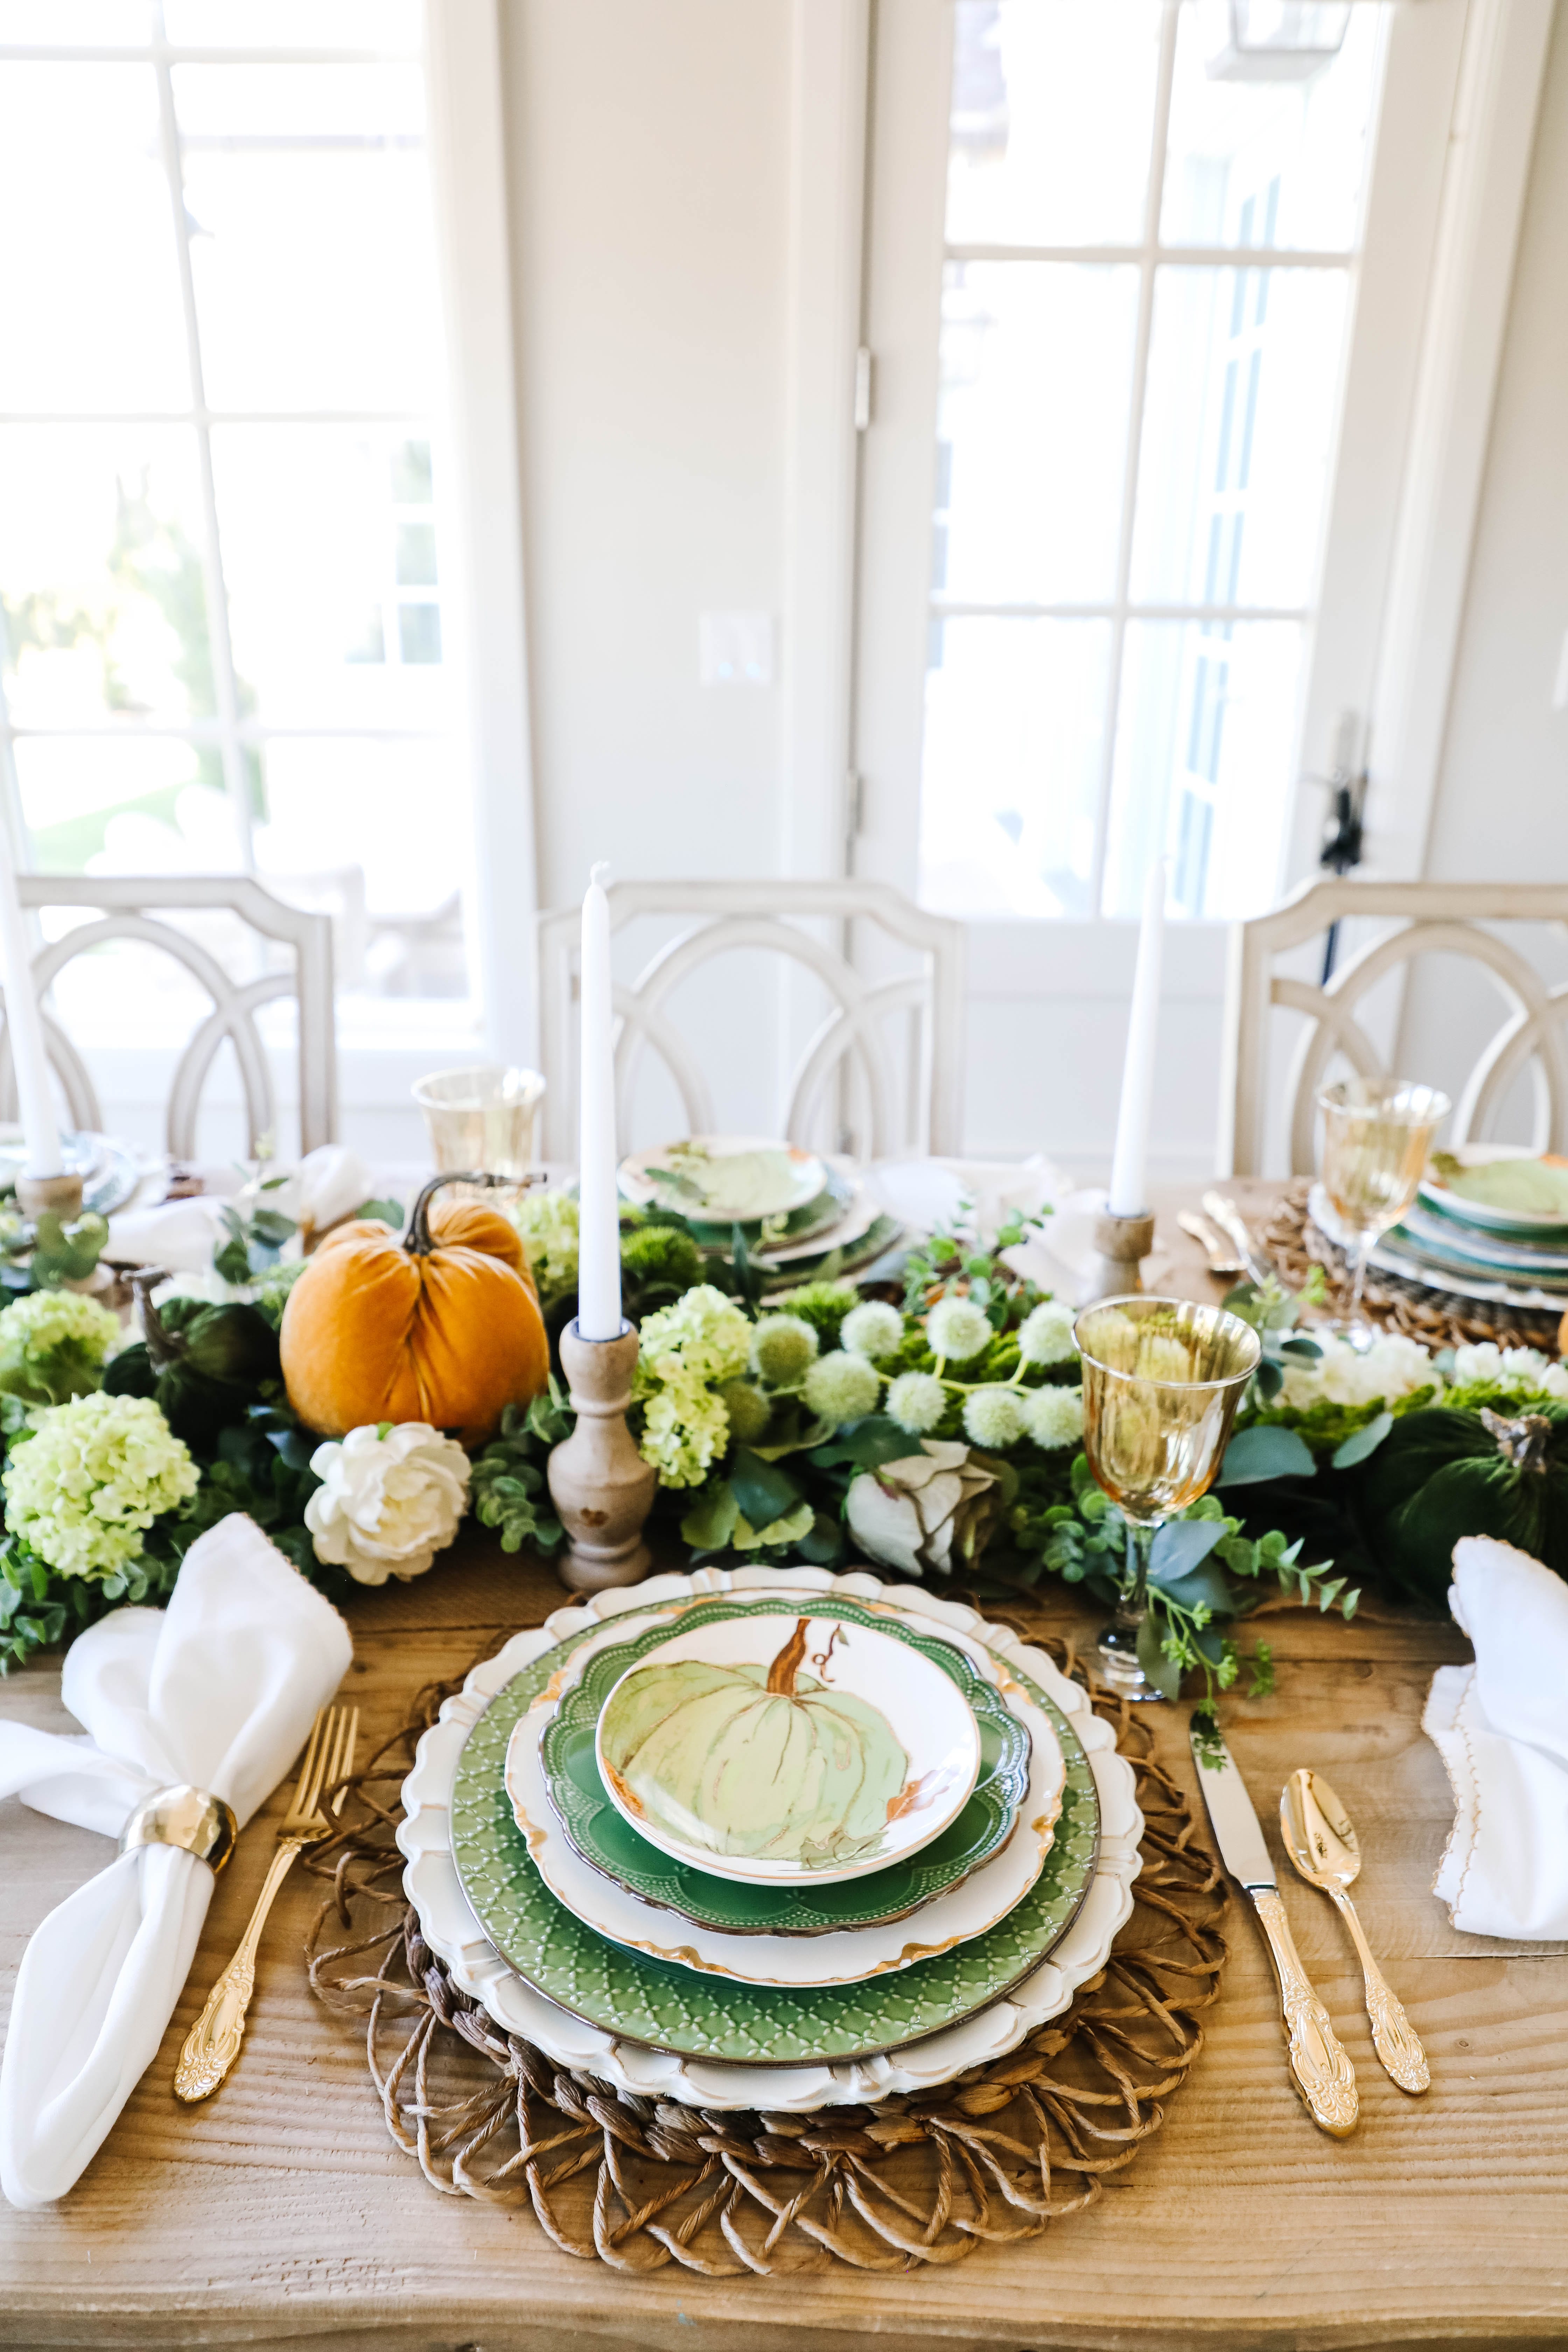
{"points": [[1434, 919], [131, 908], [850, 1041]]}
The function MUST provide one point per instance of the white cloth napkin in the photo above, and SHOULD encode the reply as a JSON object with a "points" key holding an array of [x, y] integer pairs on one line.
{"points": [[220, 1690], [329, 1183], [1501, 1727]]}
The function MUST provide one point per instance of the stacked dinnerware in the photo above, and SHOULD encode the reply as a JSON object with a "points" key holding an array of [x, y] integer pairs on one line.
{"points": [[770, 1838], [802, 1214], [1489, 1222]]}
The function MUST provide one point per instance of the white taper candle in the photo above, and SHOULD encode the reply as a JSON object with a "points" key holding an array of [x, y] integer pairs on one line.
{"points": [[1129, 1164], [599, 1226], [24, 1028]]}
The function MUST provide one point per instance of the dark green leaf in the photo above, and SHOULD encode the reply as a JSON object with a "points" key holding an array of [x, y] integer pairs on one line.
{"points": [[763, 1492], [868, 1444]]}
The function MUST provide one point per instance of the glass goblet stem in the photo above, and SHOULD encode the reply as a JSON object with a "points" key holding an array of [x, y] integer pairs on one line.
{"points": [[1118, 1644]]}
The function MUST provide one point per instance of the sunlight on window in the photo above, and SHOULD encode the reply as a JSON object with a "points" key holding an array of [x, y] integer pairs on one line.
{"points": [[1134, 439]]}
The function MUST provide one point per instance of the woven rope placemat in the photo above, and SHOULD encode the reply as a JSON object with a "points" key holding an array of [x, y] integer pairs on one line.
{"points": [[998, 2155], [1439, 1318]]}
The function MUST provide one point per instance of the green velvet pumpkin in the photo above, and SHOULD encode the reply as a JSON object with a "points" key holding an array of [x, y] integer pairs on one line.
{"points": [[1441, 1474]]}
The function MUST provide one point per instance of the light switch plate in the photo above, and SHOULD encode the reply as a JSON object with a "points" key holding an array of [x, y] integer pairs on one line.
{"points": [[736, 648]]}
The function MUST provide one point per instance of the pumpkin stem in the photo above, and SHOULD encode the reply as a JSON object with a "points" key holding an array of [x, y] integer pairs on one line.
{"points": [[162, 1345], [1522, 1441], [781, 1673], [417, 1241]]}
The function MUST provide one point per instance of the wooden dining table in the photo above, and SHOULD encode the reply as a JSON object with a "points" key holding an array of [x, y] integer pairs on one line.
{"points": [[279, 2211]]}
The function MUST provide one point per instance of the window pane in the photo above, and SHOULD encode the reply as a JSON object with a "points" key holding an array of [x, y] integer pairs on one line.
{"points": [[1243, 377], [1013, 747], [313, 519], [1053, 106], [101, 590], [1036, 364], [1277, 159], [384, 25], [133, 804], [310, 192], [75, 24], [93, 318], [1205, 755]]}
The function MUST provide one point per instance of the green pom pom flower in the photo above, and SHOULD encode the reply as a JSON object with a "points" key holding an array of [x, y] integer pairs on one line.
{"points": [[917, 1402], [994, 1416], [83, 1490], [822, 1305], [1054, 1417], [957, 1329], [749, 1410], [1046, 1335], [874, 1330], [842, 1388], [783, 1347]]}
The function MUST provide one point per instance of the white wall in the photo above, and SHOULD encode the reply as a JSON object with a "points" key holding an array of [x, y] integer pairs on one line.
{"points": [[1501, 808]]}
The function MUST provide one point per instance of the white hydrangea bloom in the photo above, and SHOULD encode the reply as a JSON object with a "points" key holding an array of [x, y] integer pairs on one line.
{"points": [[957, 1329], [1046, 1335], [873, 1329], [1054, 1417], [917, 1402], [1391, 1367], [1506, 1368]]}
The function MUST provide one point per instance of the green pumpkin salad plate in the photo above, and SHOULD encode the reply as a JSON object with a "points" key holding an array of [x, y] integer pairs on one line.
{"points": [[677, 2005]]}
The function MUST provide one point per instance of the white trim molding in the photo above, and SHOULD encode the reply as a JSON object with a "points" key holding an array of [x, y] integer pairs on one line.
{"points": [[467, 150], [829, 44], [1501, 71]]}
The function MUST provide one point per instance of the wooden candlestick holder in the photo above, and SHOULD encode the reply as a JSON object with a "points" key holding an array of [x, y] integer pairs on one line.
{"points": [[60, 1194], [1122, 1243], [598, 1481]]}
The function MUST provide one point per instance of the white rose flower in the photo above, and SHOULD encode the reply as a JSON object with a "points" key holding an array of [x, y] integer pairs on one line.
{"points": [[391, 1499]]}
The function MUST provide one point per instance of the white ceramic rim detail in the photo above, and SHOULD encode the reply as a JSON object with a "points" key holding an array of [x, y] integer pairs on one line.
{"points": [[431, 1884]]}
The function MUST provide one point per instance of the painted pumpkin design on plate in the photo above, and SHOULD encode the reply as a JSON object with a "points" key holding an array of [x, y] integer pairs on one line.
{"points": [[755, 1760]]}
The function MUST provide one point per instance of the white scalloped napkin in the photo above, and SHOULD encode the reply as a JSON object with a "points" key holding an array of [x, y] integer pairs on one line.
{"points": [[219, 1689], [1501, 1727]]}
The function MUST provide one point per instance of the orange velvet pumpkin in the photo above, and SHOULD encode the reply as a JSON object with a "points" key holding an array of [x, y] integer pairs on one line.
{"points": [[441, 1326]]}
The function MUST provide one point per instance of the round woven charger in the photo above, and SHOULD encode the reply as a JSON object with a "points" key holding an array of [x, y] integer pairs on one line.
{"points": [[999, 2153]]}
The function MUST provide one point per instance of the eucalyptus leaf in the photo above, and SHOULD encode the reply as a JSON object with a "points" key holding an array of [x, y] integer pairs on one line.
{"points": [[763, 1492], [1362, 1442], [1179, 1546], [1163, 1672], [1264, 1452]]}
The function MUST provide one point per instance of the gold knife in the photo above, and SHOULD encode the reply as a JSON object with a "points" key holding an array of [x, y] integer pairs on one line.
{"points": [[1324, 2076]]}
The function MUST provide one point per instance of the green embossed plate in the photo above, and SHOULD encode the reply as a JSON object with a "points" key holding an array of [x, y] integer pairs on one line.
{"points": [[672, 2007], [609, 1843]]}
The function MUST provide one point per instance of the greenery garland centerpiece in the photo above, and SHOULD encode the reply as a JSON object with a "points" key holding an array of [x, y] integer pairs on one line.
{"points": [[931, 1426]]}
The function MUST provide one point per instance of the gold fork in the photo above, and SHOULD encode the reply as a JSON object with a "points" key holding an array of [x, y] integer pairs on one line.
{"points": [[213, 2042]]}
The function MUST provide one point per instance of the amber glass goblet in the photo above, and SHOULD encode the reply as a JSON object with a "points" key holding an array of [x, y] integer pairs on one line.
{"points": [[1377, 1133], [1162, 1380]]}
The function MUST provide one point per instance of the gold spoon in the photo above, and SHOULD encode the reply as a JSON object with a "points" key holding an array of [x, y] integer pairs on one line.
{"points": [[1321, 1843]]}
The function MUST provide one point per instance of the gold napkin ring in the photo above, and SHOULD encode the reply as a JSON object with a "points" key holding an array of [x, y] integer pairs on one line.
{"points": [[191, 1817]]}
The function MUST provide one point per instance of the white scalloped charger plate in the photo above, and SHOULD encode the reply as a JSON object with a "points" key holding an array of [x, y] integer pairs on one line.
{"points": [[430, 1879]]}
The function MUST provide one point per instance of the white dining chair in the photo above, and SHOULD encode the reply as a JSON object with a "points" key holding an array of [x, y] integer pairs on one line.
{"points": [[1412, 920], [874, 1064], [137, 908]]}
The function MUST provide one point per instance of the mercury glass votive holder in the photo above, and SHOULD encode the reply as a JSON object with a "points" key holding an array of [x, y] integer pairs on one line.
{"points": [[1161, 1381]]}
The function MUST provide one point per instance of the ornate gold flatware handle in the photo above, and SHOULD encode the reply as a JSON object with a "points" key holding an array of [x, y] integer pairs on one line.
{"points": [[212, 2045], [1324, 2076], [1394, 2037]]}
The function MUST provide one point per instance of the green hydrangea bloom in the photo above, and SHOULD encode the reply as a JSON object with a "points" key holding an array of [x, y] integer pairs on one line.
{"points": [[46, 1319], [704, 1335], [841, 1387], [994, 1417], [547, 1220], [83, 1491], [684, 1429], [783, 1347]]}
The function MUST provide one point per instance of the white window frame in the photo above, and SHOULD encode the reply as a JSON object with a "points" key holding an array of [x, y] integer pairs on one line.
{"points": [[1461, 84], [478, 512]]}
